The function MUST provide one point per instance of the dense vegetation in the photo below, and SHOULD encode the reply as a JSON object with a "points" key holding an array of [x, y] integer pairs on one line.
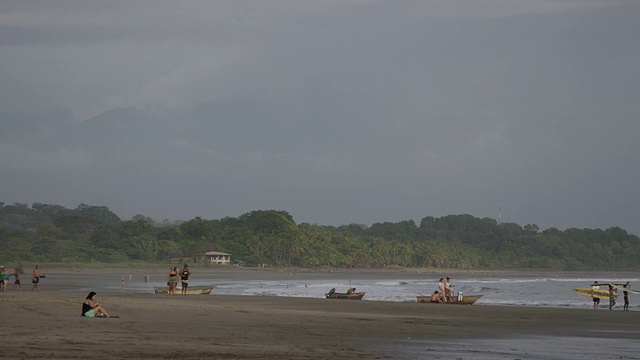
{"points": [[52, 233]]}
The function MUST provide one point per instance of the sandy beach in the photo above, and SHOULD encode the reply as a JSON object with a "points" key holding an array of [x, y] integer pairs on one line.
{"points": [[48, 325]]}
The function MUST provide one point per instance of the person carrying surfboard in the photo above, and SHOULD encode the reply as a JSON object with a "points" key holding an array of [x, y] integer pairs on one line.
{"points": [[596, 300], [612, 297]]}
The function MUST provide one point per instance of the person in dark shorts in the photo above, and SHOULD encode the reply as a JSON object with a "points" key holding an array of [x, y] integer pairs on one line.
{"points": [[596, 300], [36, 279], [16, 282], [626, 296], [184, 276]]}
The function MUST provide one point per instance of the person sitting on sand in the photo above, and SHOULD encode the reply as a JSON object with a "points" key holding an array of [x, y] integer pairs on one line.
{"points": [[435, 297], [92, 308]]}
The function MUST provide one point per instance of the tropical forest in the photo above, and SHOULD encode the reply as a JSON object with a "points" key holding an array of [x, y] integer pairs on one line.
{"points": [[93, 234]]}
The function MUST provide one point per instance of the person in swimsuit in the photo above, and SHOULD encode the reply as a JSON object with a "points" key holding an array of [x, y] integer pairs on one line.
{"points": [[626, 296], [91, 307], [447, 290], [596, 300], [16, 282], [36, 279], [172, 280], [612, 299], [441, 289], [184, 275]]}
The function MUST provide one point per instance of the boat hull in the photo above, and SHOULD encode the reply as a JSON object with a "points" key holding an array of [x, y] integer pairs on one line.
{"points": [[466, 300], [356, 296], [195, 290]]}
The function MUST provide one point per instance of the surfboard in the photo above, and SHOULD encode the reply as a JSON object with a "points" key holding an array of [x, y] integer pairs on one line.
{"points": [[630, 291], [601, 294], [606, 283], [619, 287]]}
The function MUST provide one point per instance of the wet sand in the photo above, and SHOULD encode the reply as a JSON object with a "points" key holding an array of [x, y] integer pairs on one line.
{"points": [[48, 325]]}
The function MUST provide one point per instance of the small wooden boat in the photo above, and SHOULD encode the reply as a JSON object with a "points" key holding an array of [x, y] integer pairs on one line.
{"points": [[191, 290], [332, 294], [466, 300]]}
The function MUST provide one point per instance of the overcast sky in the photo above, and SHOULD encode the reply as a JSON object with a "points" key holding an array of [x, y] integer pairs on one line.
{"points": [[336, 111]]}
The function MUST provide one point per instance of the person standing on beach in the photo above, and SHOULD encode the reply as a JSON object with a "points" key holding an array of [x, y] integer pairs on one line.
{"points": [[172, 279], [36, 279], [6, 278], [596, 300], [626, 296], [184, 276], [16, 281], [3, 283], [447, 290], [612, 299]]}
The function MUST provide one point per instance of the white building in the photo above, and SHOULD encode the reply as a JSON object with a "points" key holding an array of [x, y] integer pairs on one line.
{"points": [[216, 257]]}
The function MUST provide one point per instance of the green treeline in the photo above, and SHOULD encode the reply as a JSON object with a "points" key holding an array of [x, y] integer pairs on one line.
{"points": [[52, 233]]}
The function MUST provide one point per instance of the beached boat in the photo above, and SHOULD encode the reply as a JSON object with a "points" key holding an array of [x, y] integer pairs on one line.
{"points": [[332, 294], [466, 299], [191, 290]]}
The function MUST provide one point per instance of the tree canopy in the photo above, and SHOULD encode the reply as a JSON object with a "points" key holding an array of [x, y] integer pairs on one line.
{"points": [[45, 232]]}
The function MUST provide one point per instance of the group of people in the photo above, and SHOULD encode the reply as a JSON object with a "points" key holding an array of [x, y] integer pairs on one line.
{"points": [[172, 279], [91, 307], [613, 293], [444, 293], [17, 285]]}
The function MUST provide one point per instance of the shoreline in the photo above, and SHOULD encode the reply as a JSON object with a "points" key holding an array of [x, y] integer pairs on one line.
{"points": [[298, 270], [48, 325]]}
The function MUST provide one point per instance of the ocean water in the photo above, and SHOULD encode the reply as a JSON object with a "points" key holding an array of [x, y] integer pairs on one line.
{"points": [[532, 291]]}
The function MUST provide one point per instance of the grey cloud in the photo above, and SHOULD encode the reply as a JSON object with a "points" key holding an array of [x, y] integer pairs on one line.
{"points": [[339, 112]]}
